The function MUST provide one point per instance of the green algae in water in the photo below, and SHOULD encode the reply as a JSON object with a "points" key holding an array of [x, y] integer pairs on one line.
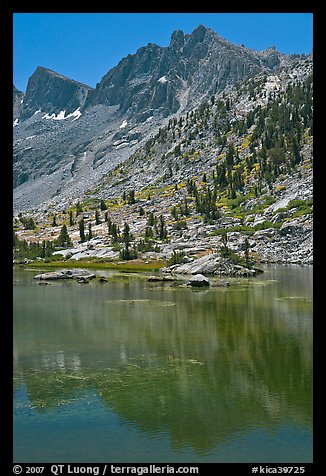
{"points": [[179, 389], [142, 302]]}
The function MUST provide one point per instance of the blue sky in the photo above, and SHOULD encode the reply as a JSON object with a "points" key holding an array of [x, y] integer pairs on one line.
{"points": [[84, 46]]}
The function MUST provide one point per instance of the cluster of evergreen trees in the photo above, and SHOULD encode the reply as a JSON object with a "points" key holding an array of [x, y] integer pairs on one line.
{"points": [[205, 200], [277, 133], [31, 250], [28, 223]]}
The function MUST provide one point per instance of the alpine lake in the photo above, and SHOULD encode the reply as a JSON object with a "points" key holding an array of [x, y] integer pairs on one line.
{"points": [[134, 371]]}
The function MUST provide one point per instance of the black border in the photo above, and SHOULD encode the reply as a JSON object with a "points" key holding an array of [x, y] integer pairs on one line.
{"points": [[7, 9]]}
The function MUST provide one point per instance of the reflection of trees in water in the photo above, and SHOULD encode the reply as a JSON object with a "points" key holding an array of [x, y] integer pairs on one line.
{"points": [[208, 366]]}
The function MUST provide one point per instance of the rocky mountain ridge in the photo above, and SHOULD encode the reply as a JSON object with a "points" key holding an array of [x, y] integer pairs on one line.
{"points": [[68, 135], [212, 137], [168, 79]]}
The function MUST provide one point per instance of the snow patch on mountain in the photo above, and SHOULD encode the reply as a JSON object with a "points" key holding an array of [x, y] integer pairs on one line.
{"points": [[124, 124], [76, 114], [162, 80]]}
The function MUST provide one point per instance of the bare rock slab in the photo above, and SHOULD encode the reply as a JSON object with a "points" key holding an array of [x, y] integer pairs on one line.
{"points": [[198, 281], [78, 274]]}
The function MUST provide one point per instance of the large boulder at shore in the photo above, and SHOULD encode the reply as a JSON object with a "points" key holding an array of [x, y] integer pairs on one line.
{"points": [[66, 274], [211, 265], [198, 281]]}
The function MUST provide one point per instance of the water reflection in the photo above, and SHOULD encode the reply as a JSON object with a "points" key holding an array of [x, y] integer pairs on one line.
{"points": [[199, 367]]}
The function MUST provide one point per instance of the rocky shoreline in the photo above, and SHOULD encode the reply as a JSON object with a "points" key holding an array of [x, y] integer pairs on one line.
{"points": [[212, 265]]}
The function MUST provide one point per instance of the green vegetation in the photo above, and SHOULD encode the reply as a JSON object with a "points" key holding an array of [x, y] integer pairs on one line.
{"points": [[54, 220], [71, 218], [225, 252], [64, 239], [127, 266], [81, 225], [205, 200], [79, 209], [180, 225], [144, 246], [90, 233], [31, 250], [247, 230], [176, 258], [126, 252], [156, 228], [103, 205], [129, 197], [28, 223], [303, 207]]}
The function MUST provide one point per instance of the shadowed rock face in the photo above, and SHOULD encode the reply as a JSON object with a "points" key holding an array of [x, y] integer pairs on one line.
{"points": [[154, 77], [17, 102], [51, 92]]}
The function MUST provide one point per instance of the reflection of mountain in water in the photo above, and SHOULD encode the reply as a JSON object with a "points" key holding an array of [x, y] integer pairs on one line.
{"points": [[219, 363]]}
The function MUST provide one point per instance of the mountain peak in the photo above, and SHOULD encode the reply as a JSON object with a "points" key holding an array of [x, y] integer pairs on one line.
{"points": [[177, 39], [50, 72], [53, 92], [199, 33]]}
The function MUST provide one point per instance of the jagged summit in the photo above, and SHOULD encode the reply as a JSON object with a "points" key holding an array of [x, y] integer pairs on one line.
{"points": [[177, 39], [51, 92], [164, 80]]}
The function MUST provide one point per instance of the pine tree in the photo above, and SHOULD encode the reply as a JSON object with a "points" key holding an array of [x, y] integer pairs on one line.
{"points": [[131, 197], [148, 233], [151, 219], [224, 239], [115, 232], [81, 225], [97, 217], [90, 233], [71, 218], [64, 238], [162, 231], [109, 222], [174, 213], [229, 158], [126, 236], [103, 205], [28, 223], [125, 253], [79, 209]]}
